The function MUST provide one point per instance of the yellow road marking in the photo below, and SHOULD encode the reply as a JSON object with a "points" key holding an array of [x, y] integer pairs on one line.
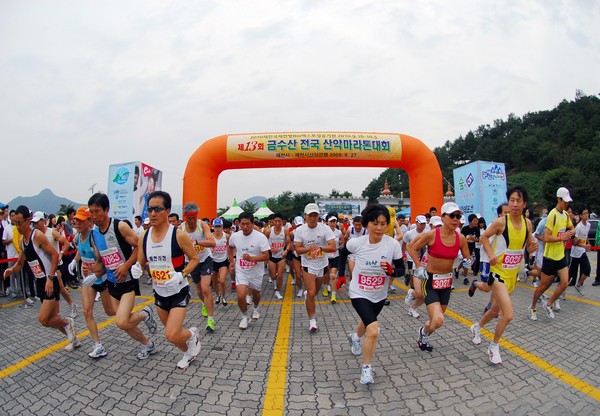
{"points": [[562, 375], [47, 351], [8, 305], [582, 300], [276, 382]]}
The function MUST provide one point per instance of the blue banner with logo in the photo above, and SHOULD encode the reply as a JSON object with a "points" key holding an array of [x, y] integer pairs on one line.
{"points": [[129, 185], [480, 187]]}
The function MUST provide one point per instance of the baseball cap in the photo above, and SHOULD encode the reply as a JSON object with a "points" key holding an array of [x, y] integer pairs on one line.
{"points": [[436, 221], [217, 222], [449, 208], [332, 218], [83, 213], [147, 221], [421, 219], [310, 208], [564, 194], [298, 220], [39, 215]]}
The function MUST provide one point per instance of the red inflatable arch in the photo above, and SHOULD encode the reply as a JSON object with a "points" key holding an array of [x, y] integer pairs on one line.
{"points": [[312, 149]]}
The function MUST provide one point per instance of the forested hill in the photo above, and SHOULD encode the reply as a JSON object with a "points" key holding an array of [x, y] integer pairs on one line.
{"points": [[542, 150]]}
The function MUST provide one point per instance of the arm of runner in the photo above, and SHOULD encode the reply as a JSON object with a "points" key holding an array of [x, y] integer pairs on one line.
{"points": [[415, 246], [464, 247], [330, 247], [17, 267], [496, 227], [209, 238], [131, 238], [188, 249], [532, 244], [62, 242]]}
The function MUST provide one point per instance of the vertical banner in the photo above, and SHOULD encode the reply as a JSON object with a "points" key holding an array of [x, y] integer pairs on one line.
{"points": [[129, 185], [480, 187]]}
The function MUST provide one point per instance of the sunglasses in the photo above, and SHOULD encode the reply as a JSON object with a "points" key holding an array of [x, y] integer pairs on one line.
{"points": [[156, 209], [454, 215]]}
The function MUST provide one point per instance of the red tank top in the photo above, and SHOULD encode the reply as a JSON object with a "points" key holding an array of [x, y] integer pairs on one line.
{"points": [[441, 251]]}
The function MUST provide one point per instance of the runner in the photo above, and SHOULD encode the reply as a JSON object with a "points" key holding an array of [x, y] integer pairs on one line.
{"points": [[115, 246], [373, 253], [579, 252], [42, 259], [56, 240], [248, 249], [293, 260], [559, 229], [312, 241], [199, 232], [220, 261], [92, 284], [164, 248], [512, 234], [443, 245], [414, 296], [333, 259], [280, 242]]}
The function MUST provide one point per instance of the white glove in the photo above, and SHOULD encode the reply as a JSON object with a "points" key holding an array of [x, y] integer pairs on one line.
{"points": [[72, 267], [89, 280], [137, 271], [466, 263], [420, 273], [176, 279]]}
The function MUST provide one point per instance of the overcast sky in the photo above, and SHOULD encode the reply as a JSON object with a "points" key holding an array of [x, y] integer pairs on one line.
{"points": [[87, 84]]}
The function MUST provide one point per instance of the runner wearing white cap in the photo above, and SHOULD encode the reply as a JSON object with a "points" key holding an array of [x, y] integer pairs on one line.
{"points": [[333, 259], [443, 245], [312, 241], [280, 242], [414, 296]]}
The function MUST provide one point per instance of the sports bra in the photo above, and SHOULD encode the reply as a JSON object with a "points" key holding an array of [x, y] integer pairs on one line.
{"points": [[441, 251]]}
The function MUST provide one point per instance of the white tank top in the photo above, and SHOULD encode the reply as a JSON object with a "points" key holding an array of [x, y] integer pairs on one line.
{"points": [[198, 234]]}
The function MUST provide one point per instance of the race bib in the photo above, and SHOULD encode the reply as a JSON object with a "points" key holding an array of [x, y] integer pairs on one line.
{"points": [[111, 258], [277, 246], [199, 249], [441, 281], [219, 249], [160, 273], [88, 262], [36, 269], [371, 282], [247, 264], [512, 259], [315, 254]]}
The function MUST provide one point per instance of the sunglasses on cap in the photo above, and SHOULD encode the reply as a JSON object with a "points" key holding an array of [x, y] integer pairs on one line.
{"points": [[156, 209], [453, 215]]}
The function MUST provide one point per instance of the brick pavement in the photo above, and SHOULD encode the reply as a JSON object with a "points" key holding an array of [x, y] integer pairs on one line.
{"points": [[232, 373]]}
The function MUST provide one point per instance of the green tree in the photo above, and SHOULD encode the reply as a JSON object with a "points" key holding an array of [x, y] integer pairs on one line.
{"points": [[64, 208], [337, 194], [290, 204], [397, 181], [249, 206]]}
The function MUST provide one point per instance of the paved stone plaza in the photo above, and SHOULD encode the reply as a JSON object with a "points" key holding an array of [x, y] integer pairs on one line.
{"points": [[550, 367]]}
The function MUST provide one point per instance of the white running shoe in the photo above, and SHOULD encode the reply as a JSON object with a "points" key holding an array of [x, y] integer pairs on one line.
{"points": [[97, 299], [312, 325], [72, 345], [557, 305], [366, 375], [409, 298], [244, 322], [413, 312], [548, 310], [98, 351], [494, 352], [300, 293], [70, 330], [248, 299], [476, 331], [355, 344], [73, 311], [278, 295], [392, 288], [532, 314], [255, 313], [535, 283], [146, 351], [150, 320], [579, 289], [194, 347]]}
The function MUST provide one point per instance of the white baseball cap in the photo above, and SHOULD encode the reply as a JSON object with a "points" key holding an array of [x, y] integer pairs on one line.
{"points": [[564, 194], [298, 220], [436, 221], [421, 219], [311, 208], [39, 215], [450, 207]]}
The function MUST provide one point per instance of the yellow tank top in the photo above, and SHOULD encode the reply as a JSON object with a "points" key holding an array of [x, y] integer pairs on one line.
{"points": [[509, 255]]}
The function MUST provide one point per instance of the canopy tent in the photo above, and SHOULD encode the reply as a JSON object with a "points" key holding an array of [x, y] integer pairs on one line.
{"points": [[405, 212], [232, 212], [263, 211]]}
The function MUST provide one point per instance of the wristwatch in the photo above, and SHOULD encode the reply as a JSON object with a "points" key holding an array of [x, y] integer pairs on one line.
{"points": [[52, 277]]}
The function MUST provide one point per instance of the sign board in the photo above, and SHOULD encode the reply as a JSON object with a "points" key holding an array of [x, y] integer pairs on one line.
{"points": [[129, 185], [480, 187]]}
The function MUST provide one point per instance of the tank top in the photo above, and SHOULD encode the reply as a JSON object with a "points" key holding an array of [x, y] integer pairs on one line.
{"points": [[198, 234], [50, 238], [39, 261], [219, 251], [508, 249], [113, 251], [354, 234], [164, 257], [87, 254], [277, 243], [439, 250]]}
